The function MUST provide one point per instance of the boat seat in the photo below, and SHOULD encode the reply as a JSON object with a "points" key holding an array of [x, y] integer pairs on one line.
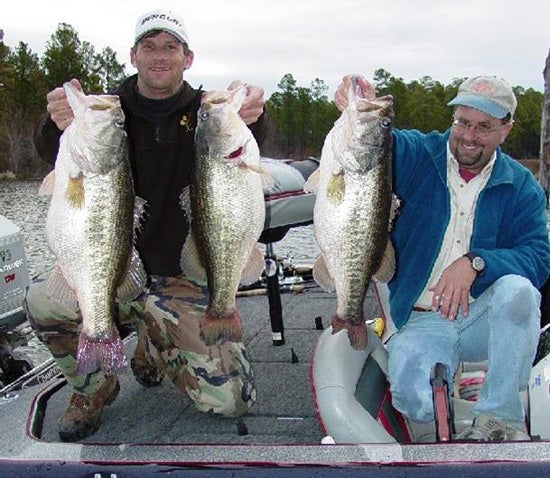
{"points": [[286, 206]]}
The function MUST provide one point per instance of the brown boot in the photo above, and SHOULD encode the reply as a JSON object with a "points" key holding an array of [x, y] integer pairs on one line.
{"points": [[144, 365], [83, 415]]}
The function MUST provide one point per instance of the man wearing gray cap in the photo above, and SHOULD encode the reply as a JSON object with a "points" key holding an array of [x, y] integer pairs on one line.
{"points": [[472, 251], [161, 116]]}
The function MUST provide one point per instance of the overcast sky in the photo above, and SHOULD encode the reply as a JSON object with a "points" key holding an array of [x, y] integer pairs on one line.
{"points": [[259, 41]]}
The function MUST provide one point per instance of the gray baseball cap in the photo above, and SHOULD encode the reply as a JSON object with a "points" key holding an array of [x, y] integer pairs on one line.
{"points": [[489, 94]]}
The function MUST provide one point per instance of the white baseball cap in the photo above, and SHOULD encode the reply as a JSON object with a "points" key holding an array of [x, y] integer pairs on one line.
{"points": [[164, 20]]}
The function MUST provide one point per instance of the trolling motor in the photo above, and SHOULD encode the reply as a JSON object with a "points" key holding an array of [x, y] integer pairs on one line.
{"points": [[14, 279]]}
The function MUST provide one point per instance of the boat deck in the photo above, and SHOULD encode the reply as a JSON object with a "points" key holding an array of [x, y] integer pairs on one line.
{"points": [[283, 413], [147, 431]]}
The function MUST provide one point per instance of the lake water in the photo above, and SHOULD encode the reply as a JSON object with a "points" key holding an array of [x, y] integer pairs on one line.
{"points": [[20, 202]]}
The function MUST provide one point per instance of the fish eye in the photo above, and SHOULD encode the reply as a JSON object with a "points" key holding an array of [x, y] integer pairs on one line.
{"points": [[385, 122], [119, 123], [204, 115]]}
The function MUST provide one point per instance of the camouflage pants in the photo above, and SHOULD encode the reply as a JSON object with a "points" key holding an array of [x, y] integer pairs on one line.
{"points": [[217, 378]]}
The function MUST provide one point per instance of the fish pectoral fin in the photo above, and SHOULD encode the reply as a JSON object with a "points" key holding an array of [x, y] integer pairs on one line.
{"points": [[75, 191], [322, 275], [336, 187], [190, 262], [387, 265], [134, 280], [254, 267], [60, 290], [47, 185], [312, 183]]}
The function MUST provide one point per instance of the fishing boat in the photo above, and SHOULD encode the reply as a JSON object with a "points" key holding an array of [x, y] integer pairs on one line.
{"points": [[322, 409]]}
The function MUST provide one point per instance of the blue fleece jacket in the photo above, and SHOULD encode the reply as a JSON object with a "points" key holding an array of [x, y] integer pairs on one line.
{"points": [[510, 225]]}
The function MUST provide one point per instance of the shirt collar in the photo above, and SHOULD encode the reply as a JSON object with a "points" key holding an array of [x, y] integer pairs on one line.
{"points": [[453, 164]]}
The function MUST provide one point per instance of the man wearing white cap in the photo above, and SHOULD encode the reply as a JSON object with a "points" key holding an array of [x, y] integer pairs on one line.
{"points": [[161, 116], [472, 251]]}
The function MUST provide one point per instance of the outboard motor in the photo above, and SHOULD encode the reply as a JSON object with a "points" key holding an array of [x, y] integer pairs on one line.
{"points": [[14, 278]]}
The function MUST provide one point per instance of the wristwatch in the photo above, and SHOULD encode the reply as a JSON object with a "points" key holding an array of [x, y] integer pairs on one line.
{"points": [[477, 262]]}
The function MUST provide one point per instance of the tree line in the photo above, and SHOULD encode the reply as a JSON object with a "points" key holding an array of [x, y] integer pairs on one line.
{"points": [[300, 116]]}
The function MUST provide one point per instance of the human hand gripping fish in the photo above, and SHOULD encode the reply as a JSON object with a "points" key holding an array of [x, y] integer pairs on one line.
{"points": [[58, 106]]}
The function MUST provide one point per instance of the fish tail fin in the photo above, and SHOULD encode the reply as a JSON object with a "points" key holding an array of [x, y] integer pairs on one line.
{"points": [[217, 328], [107, 354], [75, 191], [357, 333]]}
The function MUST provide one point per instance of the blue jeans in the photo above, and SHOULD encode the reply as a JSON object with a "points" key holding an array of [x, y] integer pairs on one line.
{"points": [[502, 327]]}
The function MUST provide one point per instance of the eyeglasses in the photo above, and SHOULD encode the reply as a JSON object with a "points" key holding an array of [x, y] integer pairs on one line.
{"points": [[481, 130]]}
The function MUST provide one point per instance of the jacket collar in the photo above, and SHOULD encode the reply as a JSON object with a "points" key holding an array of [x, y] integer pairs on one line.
{"points": [[127, 91], [436, 144]]}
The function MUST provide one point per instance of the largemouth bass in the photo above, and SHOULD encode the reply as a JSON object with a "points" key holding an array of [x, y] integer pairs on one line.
{"points": [[225, 204], [90, 227], [352, 208]]}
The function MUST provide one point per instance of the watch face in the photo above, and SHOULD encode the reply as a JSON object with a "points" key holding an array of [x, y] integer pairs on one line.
{"points": [[478, 263]]}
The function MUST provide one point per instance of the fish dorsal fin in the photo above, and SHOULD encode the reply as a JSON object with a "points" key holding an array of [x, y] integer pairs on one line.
{"points": [[76, 99], [140, 209]]}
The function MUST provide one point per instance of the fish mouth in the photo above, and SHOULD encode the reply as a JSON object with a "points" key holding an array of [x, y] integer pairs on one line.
{"points": [[382, 106]]}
